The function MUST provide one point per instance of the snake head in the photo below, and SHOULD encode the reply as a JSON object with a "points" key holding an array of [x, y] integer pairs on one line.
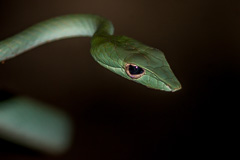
{"points": [[150, 68], [137, 62]]}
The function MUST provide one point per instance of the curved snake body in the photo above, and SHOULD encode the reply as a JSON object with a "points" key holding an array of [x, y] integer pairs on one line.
{"points": [[120, 54]]}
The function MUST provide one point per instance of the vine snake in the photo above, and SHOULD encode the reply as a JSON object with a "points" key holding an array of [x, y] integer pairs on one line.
{"points": [[122, 55]]}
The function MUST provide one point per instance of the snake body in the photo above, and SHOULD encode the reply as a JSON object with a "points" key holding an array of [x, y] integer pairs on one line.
{"points": [[122, 55]]}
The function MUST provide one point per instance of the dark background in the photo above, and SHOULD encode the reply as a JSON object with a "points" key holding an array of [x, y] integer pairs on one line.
{"points": [[119, 119]]}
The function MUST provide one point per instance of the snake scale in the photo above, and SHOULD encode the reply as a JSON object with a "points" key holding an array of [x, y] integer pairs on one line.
{"points": [[122, 55]]}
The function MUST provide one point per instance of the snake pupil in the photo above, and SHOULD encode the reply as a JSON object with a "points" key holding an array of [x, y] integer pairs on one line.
{"points": [[134, 70]]}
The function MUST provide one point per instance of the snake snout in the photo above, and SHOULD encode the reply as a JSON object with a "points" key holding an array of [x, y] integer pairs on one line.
{"points": [[177, 88]]}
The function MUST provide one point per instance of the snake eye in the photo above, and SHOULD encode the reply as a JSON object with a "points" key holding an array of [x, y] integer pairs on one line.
{"points": [[134, 71]]}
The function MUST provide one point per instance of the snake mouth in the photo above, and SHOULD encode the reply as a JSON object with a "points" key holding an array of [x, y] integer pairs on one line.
{"points": [[169, 84], [172, 85], [173, 88], [167, 88], [177, 88]]}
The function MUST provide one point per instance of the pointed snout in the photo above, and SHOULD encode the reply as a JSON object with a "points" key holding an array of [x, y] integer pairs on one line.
{"points": [[166, 75], [176, 88]]}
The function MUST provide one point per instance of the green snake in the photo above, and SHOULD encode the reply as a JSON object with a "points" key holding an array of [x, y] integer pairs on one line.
{"points": [[120, 54]]}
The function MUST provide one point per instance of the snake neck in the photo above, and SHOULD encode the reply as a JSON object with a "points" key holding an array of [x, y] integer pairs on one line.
{"points": [[55, 29]]}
